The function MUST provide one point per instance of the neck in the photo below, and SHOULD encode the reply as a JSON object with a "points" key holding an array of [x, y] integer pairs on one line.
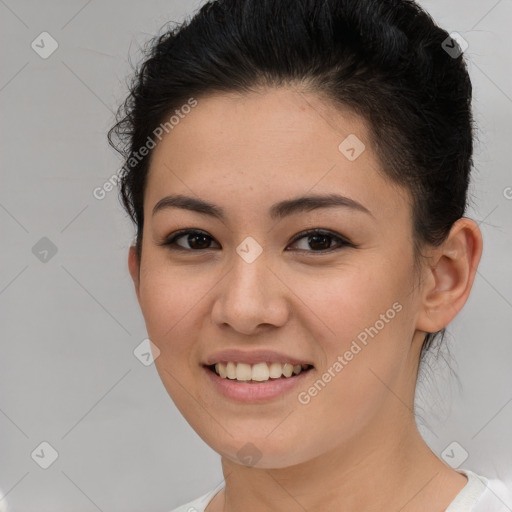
{"points": [[375, 473]]}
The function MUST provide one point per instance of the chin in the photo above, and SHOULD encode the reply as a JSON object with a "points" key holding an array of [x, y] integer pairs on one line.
{"points": [[261, 453]]}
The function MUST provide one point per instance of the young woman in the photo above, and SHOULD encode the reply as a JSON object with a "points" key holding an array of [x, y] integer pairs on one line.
{"points": [[297, 172]]}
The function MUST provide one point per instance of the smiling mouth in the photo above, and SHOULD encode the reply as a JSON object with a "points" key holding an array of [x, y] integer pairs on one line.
{"points": [[257, 373]]}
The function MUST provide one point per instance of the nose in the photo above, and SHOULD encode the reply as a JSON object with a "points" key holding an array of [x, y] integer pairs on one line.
{"points": [[251, 297]]}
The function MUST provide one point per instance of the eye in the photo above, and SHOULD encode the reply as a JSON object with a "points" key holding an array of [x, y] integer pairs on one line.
{"points": [[317, 238], [194, 237], [199, 240]]}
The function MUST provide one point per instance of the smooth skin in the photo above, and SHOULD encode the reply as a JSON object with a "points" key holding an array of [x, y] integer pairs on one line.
{"points": [[355, 446]]}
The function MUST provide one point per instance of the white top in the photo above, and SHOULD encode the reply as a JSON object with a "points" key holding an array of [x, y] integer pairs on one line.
{"points": [[480, 494]]}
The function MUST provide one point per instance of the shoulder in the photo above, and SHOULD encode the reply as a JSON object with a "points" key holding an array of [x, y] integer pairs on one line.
{"points": [[497, 497], [483, 494], [199, 504]]}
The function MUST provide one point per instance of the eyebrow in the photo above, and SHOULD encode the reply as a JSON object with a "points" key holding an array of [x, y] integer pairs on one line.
{"points": [[277, 211]]}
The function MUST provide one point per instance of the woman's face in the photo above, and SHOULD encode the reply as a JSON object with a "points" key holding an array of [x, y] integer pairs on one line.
{"points": [[348, 306]]}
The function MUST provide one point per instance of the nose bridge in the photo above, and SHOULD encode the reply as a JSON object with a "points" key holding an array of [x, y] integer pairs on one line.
{"points": [[249, 274], [250, 293]]}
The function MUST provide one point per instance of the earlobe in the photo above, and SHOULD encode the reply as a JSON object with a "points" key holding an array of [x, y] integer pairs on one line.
{"points": [[451, 276], [134, 268]]}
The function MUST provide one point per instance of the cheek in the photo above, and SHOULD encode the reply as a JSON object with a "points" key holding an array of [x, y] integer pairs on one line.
{"points": [[176, 309], [167, 302], [351, 299], [170, 305], [367, 322], [168, 293]]}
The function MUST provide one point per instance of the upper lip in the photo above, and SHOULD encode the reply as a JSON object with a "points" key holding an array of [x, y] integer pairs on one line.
{"points": [[252, 357]]}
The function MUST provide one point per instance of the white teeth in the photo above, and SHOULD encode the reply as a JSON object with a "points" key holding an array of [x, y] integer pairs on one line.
{"points": [[230, 370], [259, 372], [221, 370], [287, 369], [243, 371], [275, 370]]}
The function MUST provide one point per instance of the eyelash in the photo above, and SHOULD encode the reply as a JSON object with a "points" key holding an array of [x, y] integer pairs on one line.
{"points": [[170, 242]]}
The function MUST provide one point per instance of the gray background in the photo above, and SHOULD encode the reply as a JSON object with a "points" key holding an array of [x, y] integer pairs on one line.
{"points": [[69, 325]]}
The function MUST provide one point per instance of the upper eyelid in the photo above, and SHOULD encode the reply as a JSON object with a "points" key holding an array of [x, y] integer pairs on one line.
{"points": [[320, 231]]}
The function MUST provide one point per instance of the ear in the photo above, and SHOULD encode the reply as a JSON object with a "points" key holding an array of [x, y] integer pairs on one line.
{"points": [[134, 268], [450, 276]]}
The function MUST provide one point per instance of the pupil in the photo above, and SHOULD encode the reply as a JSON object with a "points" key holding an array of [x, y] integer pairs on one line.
{"points": [[195, 237], [316, 237]]}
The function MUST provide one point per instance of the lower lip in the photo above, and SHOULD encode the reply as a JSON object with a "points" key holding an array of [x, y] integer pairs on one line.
{"points": [[252, 392]]}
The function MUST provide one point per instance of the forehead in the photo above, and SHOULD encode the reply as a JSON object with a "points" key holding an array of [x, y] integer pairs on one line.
{"points": [[271, 144]]}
